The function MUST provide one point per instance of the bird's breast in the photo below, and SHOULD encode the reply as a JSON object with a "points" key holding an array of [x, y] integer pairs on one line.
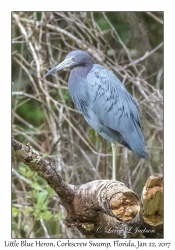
{"points": [[78, 90]]}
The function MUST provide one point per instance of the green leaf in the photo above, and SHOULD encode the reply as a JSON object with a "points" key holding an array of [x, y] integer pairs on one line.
{"points": [[14, 211], [36, 186], [41, 198], [25, 171], [37, 214], [49, 190], [46, 215], [27, 210]]}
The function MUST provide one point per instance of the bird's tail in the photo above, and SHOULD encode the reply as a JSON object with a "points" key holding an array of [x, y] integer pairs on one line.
{"points": [[137, 144]]}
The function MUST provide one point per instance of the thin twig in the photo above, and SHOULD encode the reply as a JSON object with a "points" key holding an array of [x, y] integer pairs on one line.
{"points": [[155, 17]]}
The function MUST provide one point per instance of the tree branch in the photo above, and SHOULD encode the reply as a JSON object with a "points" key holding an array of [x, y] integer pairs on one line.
{"points": [[100, 208]]}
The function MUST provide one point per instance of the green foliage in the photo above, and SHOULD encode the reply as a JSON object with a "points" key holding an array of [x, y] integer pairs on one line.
{"points": [[122, 28], [32, 112], [14, 212], [38, 14], [66, 95], [25, 171], [40, 208], [39, 197]]}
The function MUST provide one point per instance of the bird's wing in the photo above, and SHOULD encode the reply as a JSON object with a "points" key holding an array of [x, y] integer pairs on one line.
{"points": [[110, 100], [112, 103]]}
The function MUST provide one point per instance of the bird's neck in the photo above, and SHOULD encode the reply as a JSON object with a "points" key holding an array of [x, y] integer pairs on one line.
{"points": [[77, 81], [79, 72]]}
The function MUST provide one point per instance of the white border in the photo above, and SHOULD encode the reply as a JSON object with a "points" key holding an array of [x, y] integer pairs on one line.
{"points": [[5, 96]]}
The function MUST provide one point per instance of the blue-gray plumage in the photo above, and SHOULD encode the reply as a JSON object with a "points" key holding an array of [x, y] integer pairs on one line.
{"points": [[103, 101]]}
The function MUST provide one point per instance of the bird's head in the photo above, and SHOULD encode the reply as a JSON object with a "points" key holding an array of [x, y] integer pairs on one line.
{"points": [[73, 59]]}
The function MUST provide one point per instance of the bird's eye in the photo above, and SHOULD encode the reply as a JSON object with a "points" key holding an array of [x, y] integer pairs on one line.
{"points": [[73, 59]]}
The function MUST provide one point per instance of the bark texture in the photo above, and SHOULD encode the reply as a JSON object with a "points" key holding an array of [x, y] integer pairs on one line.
{"points": [[102, 208]]}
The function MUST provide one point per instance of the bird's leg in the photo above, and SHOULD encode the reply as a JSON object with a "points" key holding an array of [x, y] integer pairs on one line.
{"points": [[113, 161]]}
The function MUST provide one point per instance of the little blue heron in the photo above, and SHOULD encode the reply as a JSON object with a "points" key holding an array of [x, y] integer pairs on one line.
{"points": [[104, 102]]}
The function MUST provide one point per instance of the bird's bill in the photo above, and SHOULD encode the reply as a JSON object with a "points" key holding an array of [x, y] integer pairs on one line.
{"points": [[66, 63]]}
